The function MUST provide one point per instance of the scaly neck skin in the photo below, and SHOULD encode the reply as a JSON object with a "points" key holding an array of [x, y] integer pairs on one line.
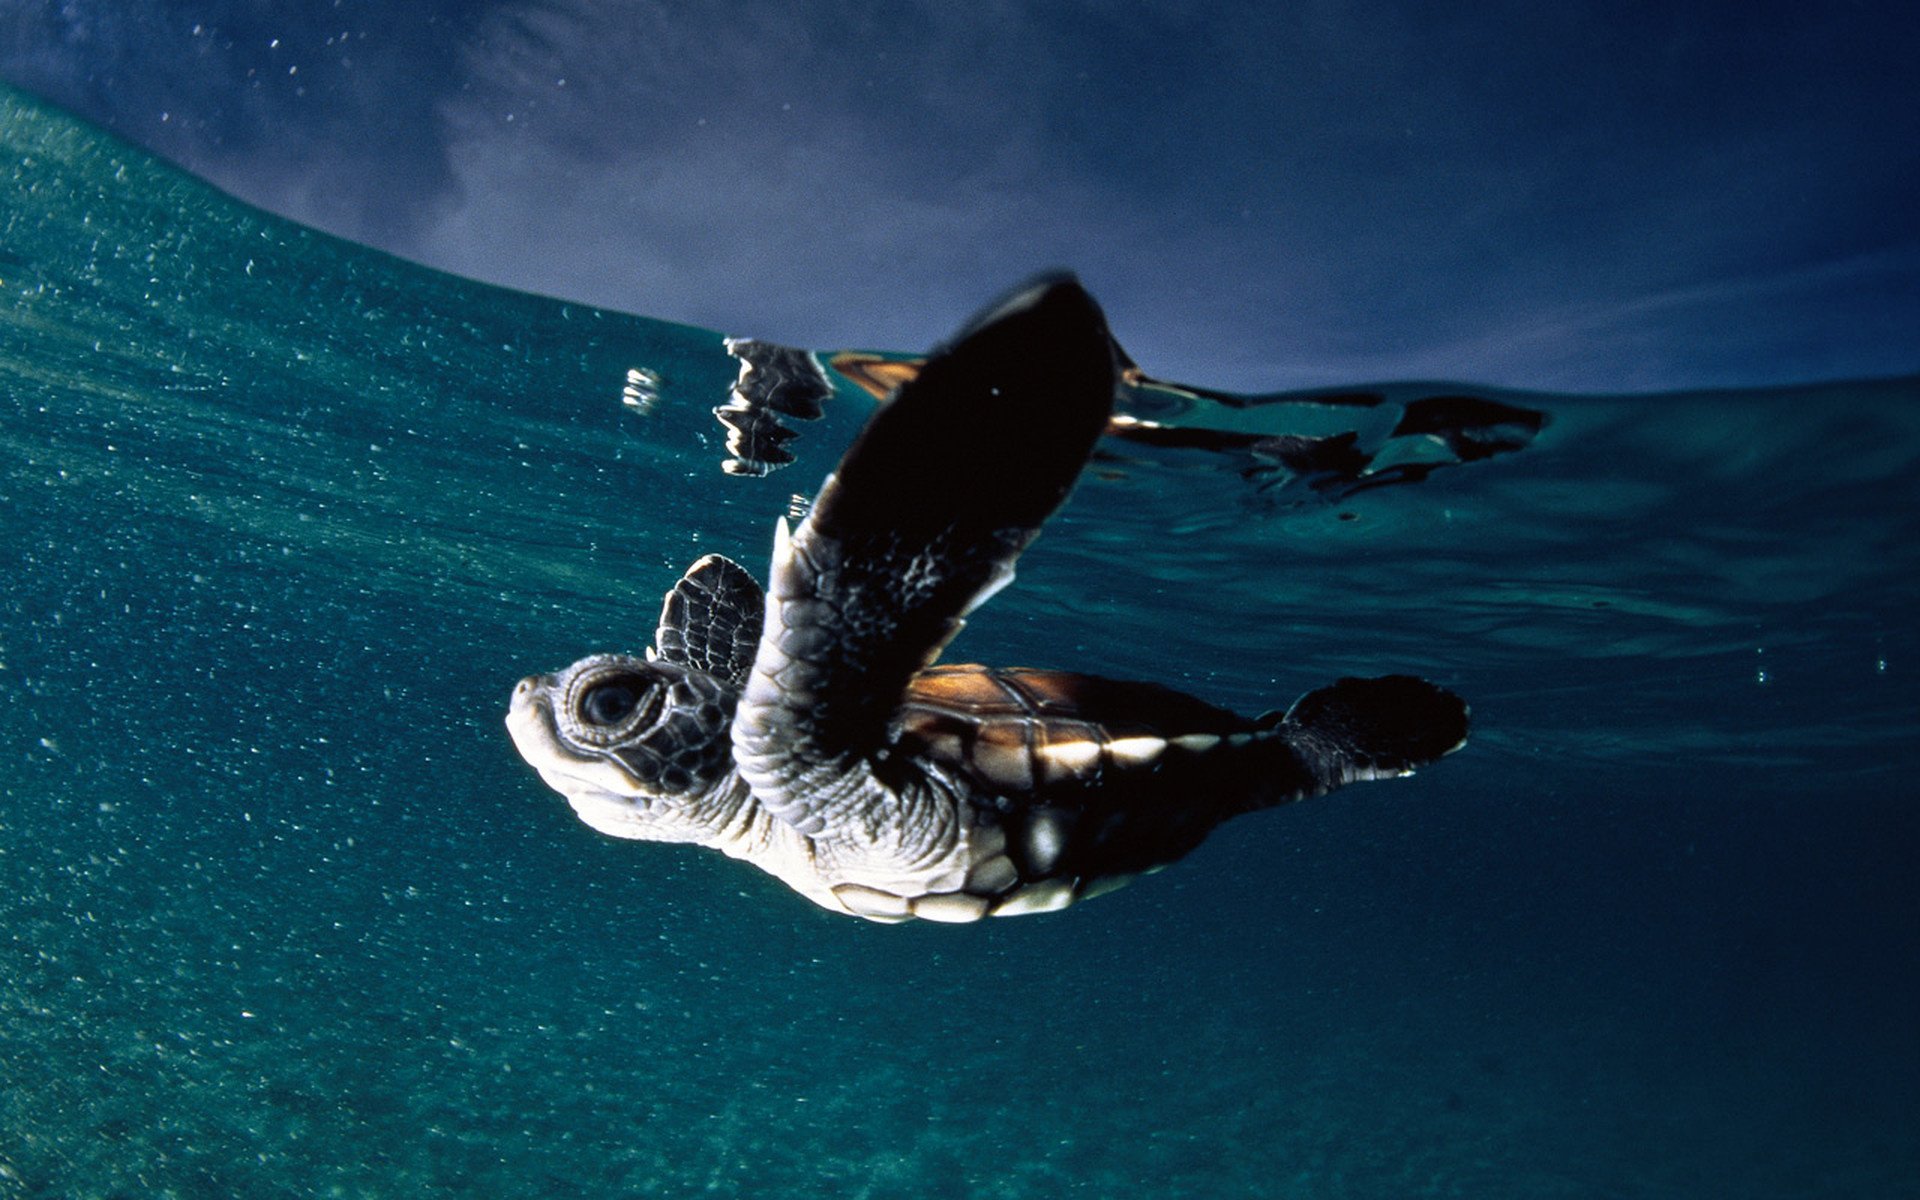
{"points": [[917, 842], [741, 827]]}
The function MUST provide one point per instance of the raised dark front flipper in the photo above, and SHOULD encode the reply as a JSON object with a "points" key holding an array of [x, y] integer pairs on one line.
{"points": [[711, 620], [922, 521]]}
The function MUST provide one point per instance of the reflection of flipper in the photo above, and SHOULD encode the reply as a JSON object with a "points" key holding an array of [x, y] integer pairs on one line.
{"points": [[1471, 427], [879, 374], [1141, 385], [1325, 461], [923, 520], [775, 382], [876, 374]]}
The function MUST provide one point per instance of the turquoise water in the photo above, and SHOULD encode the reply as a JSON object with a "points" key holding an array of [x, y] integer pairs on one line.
{"points": [[282, 913]]}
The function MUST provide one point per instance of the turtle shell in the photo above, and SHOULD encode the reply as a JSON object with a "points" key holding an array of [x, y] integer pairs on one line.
{"points": [[1019, 733]]}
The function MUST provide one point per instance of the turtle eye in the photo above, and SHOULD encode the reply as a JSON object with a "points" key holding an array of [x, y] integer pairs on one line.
{"points": [[609, 703]]}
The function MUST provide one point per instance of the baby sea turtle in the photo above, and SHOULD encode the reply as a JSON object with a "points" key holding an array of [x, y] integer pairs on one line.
{"points": [[806, 730]]}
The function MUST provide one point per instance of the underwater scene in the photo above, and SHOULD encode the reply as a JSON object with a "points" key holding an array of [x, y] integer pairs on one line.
{"points": [[283, 913]]}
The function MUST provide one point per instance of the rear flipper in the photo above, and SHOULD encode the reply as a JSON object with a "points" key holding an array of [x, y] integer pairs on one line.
{"points": [[1357, 729], [1130, 812]]}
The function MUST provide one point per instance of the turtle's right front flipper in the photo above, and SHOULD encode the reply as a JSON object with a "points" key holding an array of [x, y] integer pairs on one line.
{"points": [[923, 520]]}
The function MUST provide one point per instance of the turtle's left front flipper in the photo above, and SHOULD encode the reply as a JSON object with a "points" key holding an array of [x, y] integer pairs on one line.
{"points": [[921, 522]]}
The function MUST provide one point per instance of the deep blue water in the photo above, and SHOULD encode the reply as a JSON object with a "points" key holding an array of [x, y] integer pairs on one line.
{"points": [[282, 913]]}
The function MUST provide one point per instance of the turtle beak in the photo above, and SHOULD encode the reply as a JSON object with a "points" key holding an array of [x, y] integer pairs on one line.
{"points": [[530, 721], [536, 735]]}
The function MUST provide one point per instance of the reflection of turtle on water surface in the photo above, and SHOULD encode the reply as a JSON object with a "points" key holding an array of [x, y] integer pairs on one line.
{"points": [[806, 730]]}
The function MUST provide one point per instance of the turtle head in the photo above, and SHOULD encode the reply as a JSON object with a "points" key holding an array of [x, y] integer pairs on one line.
{"points": [[639, 747]]}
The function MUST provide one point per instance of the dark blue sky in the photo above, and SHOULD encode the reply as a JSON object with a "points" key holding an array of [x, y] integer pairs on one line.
{"points": [[1569, 195]]}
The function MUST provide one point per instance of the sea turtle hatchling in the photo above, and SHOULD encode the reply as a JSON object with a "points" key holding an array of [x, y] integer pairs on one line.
{"points": [[807, 731]]}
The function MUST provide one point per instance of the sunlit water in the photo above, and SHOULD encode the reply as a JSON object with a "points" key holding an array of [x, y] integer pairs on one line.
{"points": [[282, 913]]}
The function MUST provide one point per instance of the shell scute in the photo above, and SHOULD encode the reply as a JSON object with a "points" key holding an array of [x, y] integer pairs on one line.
{"points": [[1018, 731], [968, 689]]}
